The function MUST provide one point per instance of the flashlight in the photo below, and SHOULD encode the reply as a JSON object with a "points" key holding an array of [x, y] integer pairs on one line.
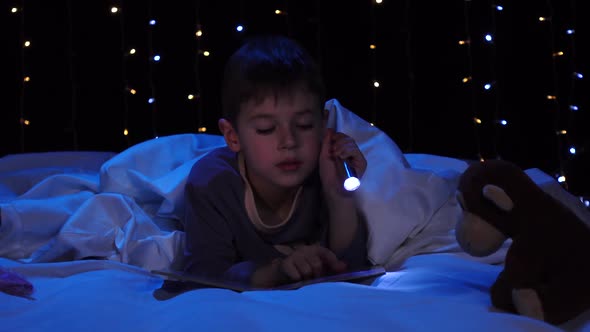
{"points": [[352, 182]]}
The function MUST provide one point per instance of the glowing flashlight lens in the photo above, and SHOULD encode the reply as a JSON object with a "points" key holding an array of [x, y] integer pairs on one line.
{"points": [[352, 182]]}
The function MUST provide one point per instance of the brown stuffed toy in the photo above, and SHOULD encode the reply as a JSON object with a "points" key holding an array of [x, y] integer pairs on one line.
{"points": [[546, 272]]}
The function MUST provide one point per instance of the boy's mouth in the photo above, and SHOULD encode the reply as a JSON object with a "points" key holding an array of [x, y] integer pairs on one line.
{"points": [[289, 165]]}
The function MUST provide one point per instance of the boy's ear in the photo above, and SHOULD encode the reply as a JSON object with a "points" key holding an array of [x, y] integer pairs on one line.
{"points": [[229, 133]]}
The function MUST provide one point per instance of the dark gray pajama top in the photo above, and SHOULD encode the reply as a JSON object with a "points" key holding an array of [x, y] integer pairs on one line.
{"points": [[223, 241]]}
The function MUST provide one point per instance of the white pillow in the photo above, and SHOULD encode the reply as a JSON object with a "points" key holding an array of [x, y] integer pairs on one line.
{"points": [[397, 200]]}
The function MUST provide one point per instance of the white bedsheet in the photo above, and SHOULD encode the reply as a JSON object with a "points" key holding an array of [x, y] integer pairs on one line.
{"points": [[433, 292]]}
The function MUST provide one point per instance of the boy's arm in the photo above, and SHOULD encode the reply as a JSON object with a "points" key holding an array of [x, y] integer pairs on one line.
{"points": [[347, 231], [208, 244], [343, 222]]}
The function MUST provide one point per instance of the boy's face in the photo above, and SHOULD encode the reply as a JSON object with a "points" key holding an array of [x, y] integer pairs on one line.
{"points": [[280, 139]]}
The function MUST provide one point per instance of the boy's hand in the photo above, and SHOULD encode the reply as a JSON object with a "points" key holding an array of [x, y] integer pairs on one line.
{"points": [[310, 262], [337, 147]]}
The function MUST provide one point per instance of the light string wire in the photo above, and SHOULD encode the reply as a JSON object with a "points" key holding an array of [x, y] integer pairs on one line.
{"points": [[373, 60], [319, 35], [23, 81], [496, 84], [151, 69], [411, 75], [467, 44], [72, 76], [554, 100], [124, 79], [288, 18], [197, 68], [572, 105], [573, 78]]}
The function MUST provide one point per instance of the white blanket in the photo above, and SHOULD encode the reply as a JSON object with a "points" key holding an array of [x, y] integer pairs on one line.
{"points": [[126, 207], [432, 292]]}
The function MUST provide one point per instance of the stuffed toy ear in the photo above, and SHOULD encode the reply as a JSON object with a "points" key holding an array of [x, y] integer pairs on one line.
{"points": [[498, 196]]}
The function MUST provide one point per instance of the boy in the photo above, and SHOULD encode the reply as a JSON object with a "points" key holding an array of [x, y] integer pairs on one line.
{"points": [[270, 208]]}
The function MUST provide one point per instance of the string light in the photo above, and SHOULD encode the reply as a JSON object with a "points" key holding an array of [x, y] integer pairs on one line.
{"points": [[572, 111], [560, 53], [198, 106], [23, 121], [151, 70], [500, 123], [373, 59], [563, 138], [469, 77], [124, 78]]}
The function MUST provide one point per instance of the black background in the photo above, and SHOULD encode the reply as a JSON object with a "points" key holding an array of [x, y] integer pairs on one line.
{"points": [[77, 97]]}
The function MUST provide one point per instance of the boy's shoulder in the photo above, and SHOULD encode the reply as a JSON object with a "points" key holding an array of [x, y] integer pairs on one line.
{"points": [[216, 164]]}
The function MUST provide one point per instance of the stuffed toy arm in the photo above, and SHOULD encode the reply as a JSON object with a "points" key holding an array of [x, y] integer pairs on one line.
{"points": [[522, 278]]}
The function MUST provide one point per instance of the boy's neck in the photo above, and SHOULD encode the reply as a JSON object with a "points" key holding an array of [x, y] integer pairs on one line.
{"points": [[277, 202]]}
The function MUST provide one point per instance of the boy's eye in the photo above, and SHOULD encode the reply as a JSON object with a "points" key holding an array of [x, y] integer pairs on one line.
{"points": [[265, 131]]}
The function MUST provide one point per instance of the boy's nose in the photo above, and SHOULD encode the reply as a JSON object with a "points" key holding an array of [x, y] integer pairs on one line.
{"points": [[288, 139]]}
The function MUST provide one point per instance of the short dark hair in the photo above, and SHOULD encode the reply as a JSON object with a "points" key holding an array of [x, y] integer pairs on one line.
{"points": [[268, 65]]}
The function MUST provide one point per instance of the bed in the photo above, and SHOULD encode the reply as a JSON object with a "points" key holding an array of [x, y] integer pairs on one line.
{"points": [[86, 228]]}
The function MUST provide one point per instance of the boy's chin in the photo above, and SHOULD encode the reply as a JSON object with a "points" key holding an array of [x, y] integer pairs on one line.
{"points": [[290, 181]]}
